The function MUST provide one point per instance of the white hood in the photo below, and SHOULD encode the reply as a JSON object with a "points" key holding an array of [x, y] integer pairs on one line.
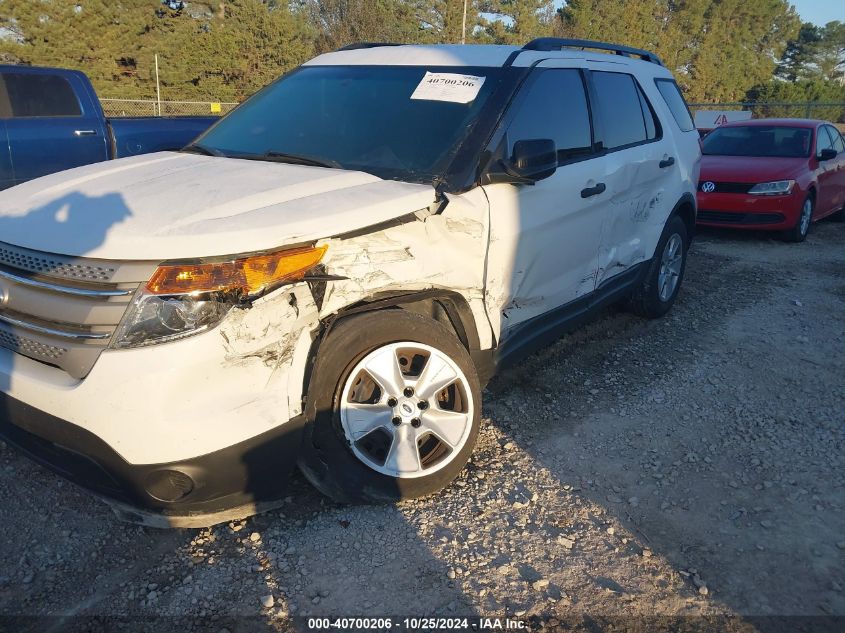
{"points": [[176, 205]]}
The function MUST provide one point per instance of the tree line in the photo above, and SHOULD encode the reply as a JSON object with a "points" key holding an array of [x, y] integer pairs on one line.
{"points": [[719, 50]]}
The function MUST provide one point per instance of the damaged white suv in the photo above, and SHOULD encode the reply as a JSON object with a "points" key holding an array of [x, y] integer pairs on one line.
{"points": [[328, 276]]}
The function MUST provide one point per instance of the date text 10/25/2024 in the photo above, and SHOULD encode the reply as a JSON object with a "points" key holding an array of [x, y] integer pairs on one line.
{"points": [[416, 624]]}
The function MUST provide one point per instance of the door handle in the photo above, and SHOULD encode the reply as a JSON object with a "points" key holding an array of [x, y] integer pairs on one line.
{"points": [[667, 162], [593, 191], [85, 132]]}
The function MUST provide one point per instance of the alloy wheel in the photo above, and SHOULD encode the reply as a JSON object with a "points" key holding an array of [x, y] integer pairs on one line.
{"points": [[406, 410]]}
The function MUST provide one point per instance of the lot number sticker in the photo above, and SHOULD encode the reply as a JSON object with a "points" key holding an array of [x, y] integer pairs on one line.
{"points": [[448, 87]]}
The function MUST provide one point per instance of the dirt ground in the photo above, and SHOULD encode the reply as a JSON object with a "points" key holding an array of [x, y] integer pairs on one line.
{"points": [[691, 466]]}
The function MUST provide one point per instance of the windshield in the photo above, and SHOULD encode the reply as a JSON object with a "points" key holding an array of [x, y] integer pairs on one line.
{"points": [[356, 117], [758, 140]]}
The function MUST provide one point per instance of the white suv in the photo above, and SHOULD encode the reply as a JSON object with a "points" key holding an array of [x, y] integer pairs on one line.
{"points": [[329, 275]]}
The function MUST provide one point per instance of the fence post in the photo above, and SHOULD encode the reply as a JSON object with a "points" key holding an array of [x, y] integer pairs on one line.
{"points": [[808, 111]]}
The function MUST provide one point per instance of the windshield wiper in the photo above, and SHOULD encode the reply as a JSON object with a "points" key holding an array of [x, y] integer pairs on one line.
{"points": [[196, 148], [295, 159]]}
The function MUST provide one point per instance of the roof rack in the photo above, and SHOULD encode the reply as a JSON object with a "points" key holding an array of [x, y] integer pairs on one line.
{"points": [[358, 45], [557, 43]]}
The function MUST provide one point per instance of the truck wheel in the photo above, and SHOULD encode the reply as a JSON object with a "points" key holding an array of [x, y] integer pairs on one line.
{"points": [[798, 233], [658, 291], [393, 409]]}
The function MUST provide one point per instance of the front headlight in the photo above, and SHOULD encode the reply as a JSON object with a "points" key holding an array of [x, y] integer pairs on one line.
{"points": [[776, 188], [183, 299]]}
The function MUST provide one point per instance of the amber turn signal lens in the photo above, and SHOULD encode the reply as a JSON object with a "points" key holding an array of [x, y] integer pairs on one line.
{"points": [[249, 275]]}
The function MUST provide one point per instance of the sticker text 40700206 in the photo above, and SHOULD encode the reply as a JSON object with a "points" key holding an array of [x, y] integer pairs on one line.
{"points": [[448, 87]]}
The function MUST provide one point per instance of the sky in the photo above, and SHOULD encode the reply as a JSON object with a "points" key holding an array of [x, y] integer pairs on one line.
{"points": [[817, 11], [820, 11]]}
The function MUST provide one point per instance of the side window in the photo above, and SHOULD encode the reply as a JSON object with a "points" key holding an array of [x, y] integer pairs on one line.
{"points": [[620, 105], [823, 140], [677, 106], [36, 95], [555, 107], [838, 143]]}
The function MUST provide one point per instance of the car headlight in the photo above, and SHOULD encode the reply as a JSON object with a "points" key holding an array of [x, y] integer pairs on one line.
{"points": [[776, 188], [182, 299]]}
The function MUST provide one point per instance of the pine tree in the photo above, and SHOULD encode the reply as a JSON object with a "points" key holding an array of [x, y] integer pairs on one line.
{"points": [[717, 49], [517, 21]]}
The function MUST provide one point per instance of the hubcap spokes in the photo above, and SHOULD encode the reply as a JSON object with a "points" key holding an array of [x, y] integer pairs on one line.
{"points": [[671, 264], [806, 216], [406, 410]]}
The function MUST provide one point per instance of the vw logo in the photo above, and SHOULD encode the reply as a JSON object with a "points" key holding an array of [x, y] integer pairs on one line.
{"points": [[708, 187]]}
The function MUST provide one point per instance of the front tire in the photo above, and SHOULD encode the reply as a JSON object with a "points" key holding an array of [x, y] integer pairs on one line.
{"points": [[798, 233], [393, 409], [658, 291]]}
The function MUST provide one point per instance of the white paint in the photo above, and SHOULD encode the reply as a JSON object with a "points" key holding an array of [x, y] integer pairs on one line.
{"points": [[508, 250], [450, 87], [162, 403], [174, 205], [446, 251], [412, 55], [544, 244]]}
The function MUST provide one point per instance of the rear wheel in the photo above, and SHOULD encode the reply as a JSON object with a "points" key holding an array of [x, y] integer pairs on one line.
{"points": [[394, 408], [798, 233], [660, 288]]}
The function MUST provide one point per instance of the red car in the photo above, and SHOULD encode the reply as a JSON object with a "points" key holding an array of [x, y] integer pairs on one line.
{"points": [[772, 174]]}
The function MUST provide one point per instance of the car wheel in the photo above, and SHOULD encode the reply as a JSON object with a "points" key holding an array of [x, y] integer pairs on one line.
{"points": [[393, 409], [658, 291], [798, 233]]}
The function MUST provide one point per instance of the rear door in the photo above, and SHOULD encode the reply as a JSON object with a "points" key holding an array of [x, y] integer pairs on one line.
{"points": [[49, 127], [827, 174], [544, 237], [641, 171]]}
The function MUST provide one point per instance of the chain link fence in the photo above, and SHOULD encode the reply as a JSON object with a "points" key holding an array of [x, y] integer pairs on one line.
{"points": [[827, 111], [151, 107]]}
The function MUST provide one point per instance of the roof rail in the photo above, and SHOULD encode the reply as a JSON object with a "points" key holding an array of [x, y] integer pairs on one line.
{"points": [[358, 45], [557, 43]]}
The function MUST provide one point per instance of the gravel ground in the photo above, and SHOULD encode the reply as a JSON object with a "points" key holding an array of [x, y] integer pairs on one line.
{"points": [[687, 466]]}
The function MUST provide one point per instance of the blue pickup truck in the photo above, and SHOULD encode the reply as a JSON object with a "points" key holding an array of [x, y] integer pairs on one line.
{"points": [[51, 119]]}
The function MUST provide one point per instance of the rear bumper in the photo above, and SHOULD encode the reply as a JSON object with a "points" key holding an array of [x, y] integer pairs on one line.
{"points": [[234, 482], [743, 211]]}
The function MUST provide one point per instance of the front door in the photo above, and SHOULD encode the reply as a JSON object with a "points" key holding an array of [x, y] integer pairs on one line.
{"points": [[7, 172], [544, 237], [835, 171], [49, 130]]}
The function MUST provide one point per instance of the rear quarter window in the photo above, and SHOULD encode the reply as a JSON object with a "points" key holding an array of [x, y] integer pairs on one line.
{"points": [[677, 106], [37, 95]]}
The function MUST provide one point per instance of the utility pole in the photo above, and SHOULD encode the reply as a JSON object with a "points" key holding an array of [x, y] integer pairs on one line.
{"points": [[158, 88], [464, 25]]}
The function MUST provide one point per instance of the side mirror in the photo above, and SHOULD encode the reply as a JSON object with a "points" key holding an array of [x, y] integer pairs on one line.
{"points": [[531, 161], [827, 154]]}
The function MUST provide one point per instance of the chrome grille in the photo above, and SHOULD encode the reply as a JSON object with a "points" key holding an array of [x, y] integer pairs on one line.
{"points": [[63, 310], [33, 349], [53, 265]]}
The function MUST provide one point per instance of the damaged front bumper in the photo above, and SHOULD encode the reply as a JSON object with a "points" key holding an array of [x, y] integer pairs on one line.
{"points": [[228, 484], [182, 434]]}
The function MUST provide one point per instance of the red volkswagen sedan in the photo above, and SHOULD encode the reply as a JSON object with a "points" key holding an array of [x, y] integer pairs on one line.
{"points": [[773, 174]]}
